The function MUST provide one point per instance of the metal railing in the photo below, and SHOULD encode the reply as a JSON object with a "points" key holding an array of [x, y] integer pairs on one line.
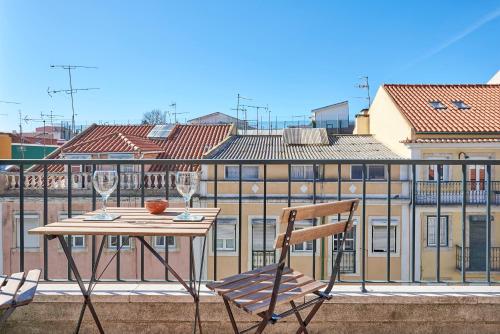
{"points": [[407, 196], [480, 266], [348, 262]]}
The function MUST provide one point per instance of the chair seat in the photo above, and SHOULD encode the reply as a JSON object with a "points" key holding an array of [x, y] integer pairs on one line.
{"points": [[251, 291]]}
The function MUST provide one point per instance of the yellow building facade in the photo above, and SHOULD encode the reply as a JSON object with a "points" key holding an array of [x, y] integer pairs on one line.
{"points": [[446, 122]]}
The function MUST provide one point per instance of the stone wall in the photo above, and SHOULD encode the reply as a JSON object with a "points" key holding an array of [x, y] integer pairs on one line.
{"points": [[152, 311]]}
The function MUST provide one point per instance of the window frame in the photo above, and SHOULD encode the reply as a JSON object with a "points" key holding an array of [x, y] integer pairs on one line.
{"points": [[124, 156], [447, 229], [64, 215], [243, 178], [381, 221], [123, 247], [299, 225], [437, 105], [304, 172], [369, 177], [17, 236], [230, 221], [170, 247]]}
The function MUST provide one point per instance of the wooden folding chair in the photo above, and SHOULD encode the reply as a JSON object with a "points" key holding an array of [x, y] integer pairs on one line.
{"points": [[17, 290], [260, 291]]}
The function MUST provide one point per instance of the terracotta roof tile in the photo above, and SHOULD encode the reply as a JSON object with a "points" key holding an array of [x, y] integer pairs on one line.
{"points": [[191, 142], [183, 142], [483, 116], [114, 143], [452, 140]]}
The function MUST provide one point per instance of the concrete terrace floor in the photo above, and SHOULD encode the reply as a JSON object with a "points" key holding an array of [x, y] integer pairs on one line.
{"points": [[167, 308]]}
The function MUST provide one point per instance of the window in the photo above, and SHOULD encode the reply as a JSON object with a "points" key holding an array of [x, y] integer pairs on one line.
{"points": [[306, 246], [226, 234], [302, 172], [77, 241], [123, 156], [437, 105], [379, 236], [159, 242], [460, 104], [30, 222], [124, 241], [258, 234], [432, 229], [78, 168], [350, 239], [374, 172], [248, 172]]}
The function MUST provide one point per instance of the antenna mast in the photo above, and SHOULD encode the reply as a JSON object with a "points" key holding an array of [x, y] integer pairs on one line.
{"points": [[71, 90], [366, 86]]}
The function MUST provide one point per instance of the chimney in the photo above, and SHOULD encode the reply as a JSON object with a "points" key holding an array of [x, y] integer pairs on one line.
{"points": [[362, 123]]}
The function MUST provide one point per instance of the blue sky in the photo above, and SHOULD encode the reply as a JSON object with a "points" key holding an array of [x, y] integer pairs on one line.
{"points": [[291, 55]]}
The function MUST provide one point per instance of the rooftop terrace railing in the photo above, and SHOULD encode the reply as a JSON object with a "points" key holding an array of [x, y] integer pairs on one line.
{"points": [[23, 183]]}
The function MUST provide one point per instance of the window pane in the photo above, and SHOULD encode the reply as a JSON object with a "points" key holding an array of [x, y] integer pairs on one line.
{"points": [[160, 241], [250, 172], [78, 241], [232, 172], [258, 234], [379, 238], [356, 172], [431, 231], [30, 240], [376, 172]]}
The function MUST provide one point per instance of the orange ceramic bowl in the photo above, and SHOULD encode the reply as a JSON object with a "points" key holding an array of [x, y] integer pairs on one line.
{"points": [[156, 206]]}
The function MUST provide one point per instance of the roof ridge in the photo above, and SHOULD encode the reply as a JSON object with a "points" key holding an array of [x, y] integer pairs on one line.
{"points": [[441, 85]]}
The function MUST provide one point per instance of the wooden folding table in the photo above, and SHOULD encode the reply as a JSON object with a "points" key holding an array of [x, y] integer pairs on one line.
{"points": [[137, 223]]}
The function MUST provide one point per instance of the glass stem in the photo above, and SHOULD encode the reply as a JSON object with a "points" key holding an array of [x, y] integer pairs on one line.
{"points": [[186, 211], [104, 203]]}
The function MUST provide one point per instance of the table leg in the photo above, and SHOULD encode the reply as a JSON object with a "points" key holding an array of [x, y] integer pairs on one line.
{"points": [[191, 288], [92, 281], [197, 291], [86, 292]]}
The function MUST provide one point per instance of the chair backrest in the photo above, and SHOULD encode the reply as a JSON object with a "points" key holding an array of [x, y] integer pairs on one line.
{"points": [[315, 211]]}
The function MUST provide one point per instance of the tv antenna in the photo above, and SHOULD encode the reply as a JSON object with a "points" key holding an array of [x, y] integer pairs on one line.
{"points": [[173, 105], [298, 121], [239, 107], [366, 85], [257, 110], [71, 90], [43, 119]]}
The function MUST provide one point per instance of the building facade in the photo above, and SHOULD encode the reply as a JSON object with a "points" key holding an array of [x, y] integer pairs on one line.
{"points": [[446, 122]]}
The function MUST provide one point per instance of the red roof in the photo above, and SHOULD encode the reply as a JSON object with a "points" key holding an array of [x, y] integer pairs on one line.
{"points": [[114, 143], [16, 139], [191, 142], [483, 116], [451, 140], [183, 142]]}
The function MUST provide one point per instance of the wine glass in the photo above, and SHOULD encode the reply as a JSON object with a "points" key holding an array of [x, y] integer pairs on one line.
{"points": [[187, 184], [105, 182]]}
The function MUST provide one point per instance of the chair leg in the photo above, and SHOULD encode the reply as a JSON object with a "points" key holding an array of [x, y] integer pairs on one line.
{"points": [[231, 317], [299, 318], [309, 318], [262, 325], [6, 314]]}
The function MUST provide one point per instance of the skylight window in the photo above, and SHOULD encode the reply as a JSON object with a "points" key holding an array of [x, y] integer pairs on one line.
{"points": [[437, 104], [460, 104]]}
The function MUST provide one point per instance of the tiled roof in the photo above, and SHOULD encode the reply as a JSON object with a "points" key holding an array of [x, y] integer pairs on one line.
{"points": [[483, 116], [114, 143], [191, 142], [273, 147], [452, 140], [183, 142]]}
